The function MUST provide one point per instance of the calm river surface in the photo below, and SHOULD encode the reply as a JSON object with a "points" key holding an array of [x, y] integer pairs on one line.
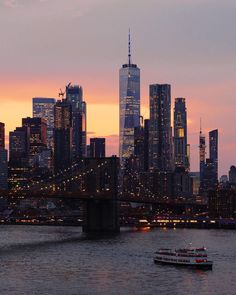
{"points": [[62, 261]]}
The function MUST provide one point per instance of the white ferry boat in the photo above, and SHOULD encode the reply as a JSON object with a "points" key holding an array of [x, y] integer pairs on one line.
{"points": [[194, 257]]}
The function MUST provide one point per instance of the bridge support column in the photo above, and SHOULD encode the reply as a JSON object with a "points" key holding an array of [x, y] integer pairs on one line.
{"points": [[101, 216]]}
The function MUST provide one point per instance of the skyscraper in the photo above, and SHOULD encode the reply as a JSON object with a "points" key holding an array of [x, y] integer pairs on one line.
{"points": [[19, 156], [97, 147], [3, 169], [129, 93], [3, 159], [62, 135], [38, 130], [84, 129], [213, 150], [160, 132], [146, 144], [2, 135], [74, 96], [180, 134], [202, 156], [44, 108]]}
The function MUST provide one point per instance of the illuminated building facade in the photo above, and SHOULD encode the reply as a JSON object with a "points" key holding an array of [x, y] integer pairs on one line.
{"points": [[2, 135], [62, 135], [19, 156], [129, 93], [180, 134], [74, 96], [160, 132], [84, 129], [202, 156], [213, 150], [44, 108], [3, 159]]}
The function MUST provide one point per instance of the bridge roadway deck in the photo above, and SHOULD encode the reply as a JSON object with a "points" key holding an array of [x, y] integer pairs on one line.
{"points": [[105, 195]]}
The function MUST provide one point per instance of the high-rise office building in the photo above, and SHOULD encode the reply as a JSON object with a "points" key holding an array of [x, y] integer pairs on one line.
{"points": [[2, 135], [62, 135], [160, 132], [74, 96], [37, 139], [97, 147], [84, 129], [139, 142], [232, 175], [202, 156], [3, 169], [180, 134], [146, 144], [213, 150], [19, 147], [129, 93], [37, 129], [44, 108]]}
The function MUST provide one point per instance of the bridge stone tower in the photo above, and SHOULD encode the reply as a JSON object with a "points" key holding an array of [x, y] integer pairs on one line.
{"points": [[101, 212]]}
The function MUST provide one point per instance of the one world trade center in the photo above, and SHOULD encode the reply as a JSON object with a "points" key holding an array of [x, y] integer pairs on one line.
{"points": [[129, 106]]}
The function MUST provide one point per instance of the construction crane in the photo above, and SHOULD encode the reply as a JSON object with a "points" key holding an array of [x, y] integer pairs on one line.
{"points": [[61, 94]]}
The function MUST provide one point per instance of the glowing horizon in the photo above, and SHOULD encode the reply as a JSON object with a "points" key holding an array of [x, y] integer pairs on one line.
{"points": [[46, 44]]}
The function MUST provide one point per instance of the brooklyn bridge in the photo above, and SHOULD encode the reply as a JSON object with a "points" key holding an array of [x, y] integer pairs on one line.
{"points": [[101, 186]]}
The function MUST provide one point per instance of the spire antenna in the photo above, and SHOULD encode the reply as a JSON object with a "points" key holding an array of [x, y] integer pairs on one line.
{"points": [[129, 50], [200, 125]]}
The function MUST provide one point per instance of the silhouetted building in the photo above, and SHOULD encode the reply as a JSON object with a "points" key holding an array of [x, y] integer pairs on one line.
{"points": [[232, 175], [202, 157], [44, 108], [209, 181], [84, 129], [146, 144], [2, 135], [19, 146], [139, 147], [129, 92], [74, 96], [3, 169], [37, 129], [195, 177], [160, 137], [180, 134], [97, 147], [225, 179], [62, 135], [37, 140], [156, 184], [222, 203], [19, 143], [182, 185], [213, 150]]}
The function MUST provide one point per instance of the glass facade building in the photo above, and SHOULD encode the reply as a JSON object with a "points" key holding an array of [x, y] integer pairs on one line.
{"points": [[180, 134], [62, 135], [74, 96], [213, 150], [44, 108], [2, 135], [129, 94], [160, 132]]}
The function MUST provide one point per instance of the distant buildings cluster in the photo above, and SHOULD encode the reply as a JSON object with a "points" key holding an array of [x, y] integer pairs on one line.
{"points": [[155, 148], [151, 151], [50, 141]]}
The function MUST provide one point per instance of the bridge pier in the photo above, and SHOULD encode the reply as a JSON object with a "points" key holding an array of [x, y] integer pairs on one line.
{"points": [[101, 216]]}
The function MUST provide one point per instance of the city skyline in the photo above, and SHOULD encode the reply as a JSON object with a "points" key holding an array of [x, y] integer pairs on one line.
{"points": [[193, 73]]}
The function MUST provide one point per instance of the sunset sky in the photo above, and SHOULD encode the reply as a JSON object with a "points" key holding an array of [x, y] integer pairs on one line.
{"points": [[190, 44]]}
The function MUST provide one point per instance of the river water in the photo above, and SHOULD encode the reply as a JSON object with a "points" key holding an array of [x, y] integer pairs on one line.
{"points": [[62, 261]]}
